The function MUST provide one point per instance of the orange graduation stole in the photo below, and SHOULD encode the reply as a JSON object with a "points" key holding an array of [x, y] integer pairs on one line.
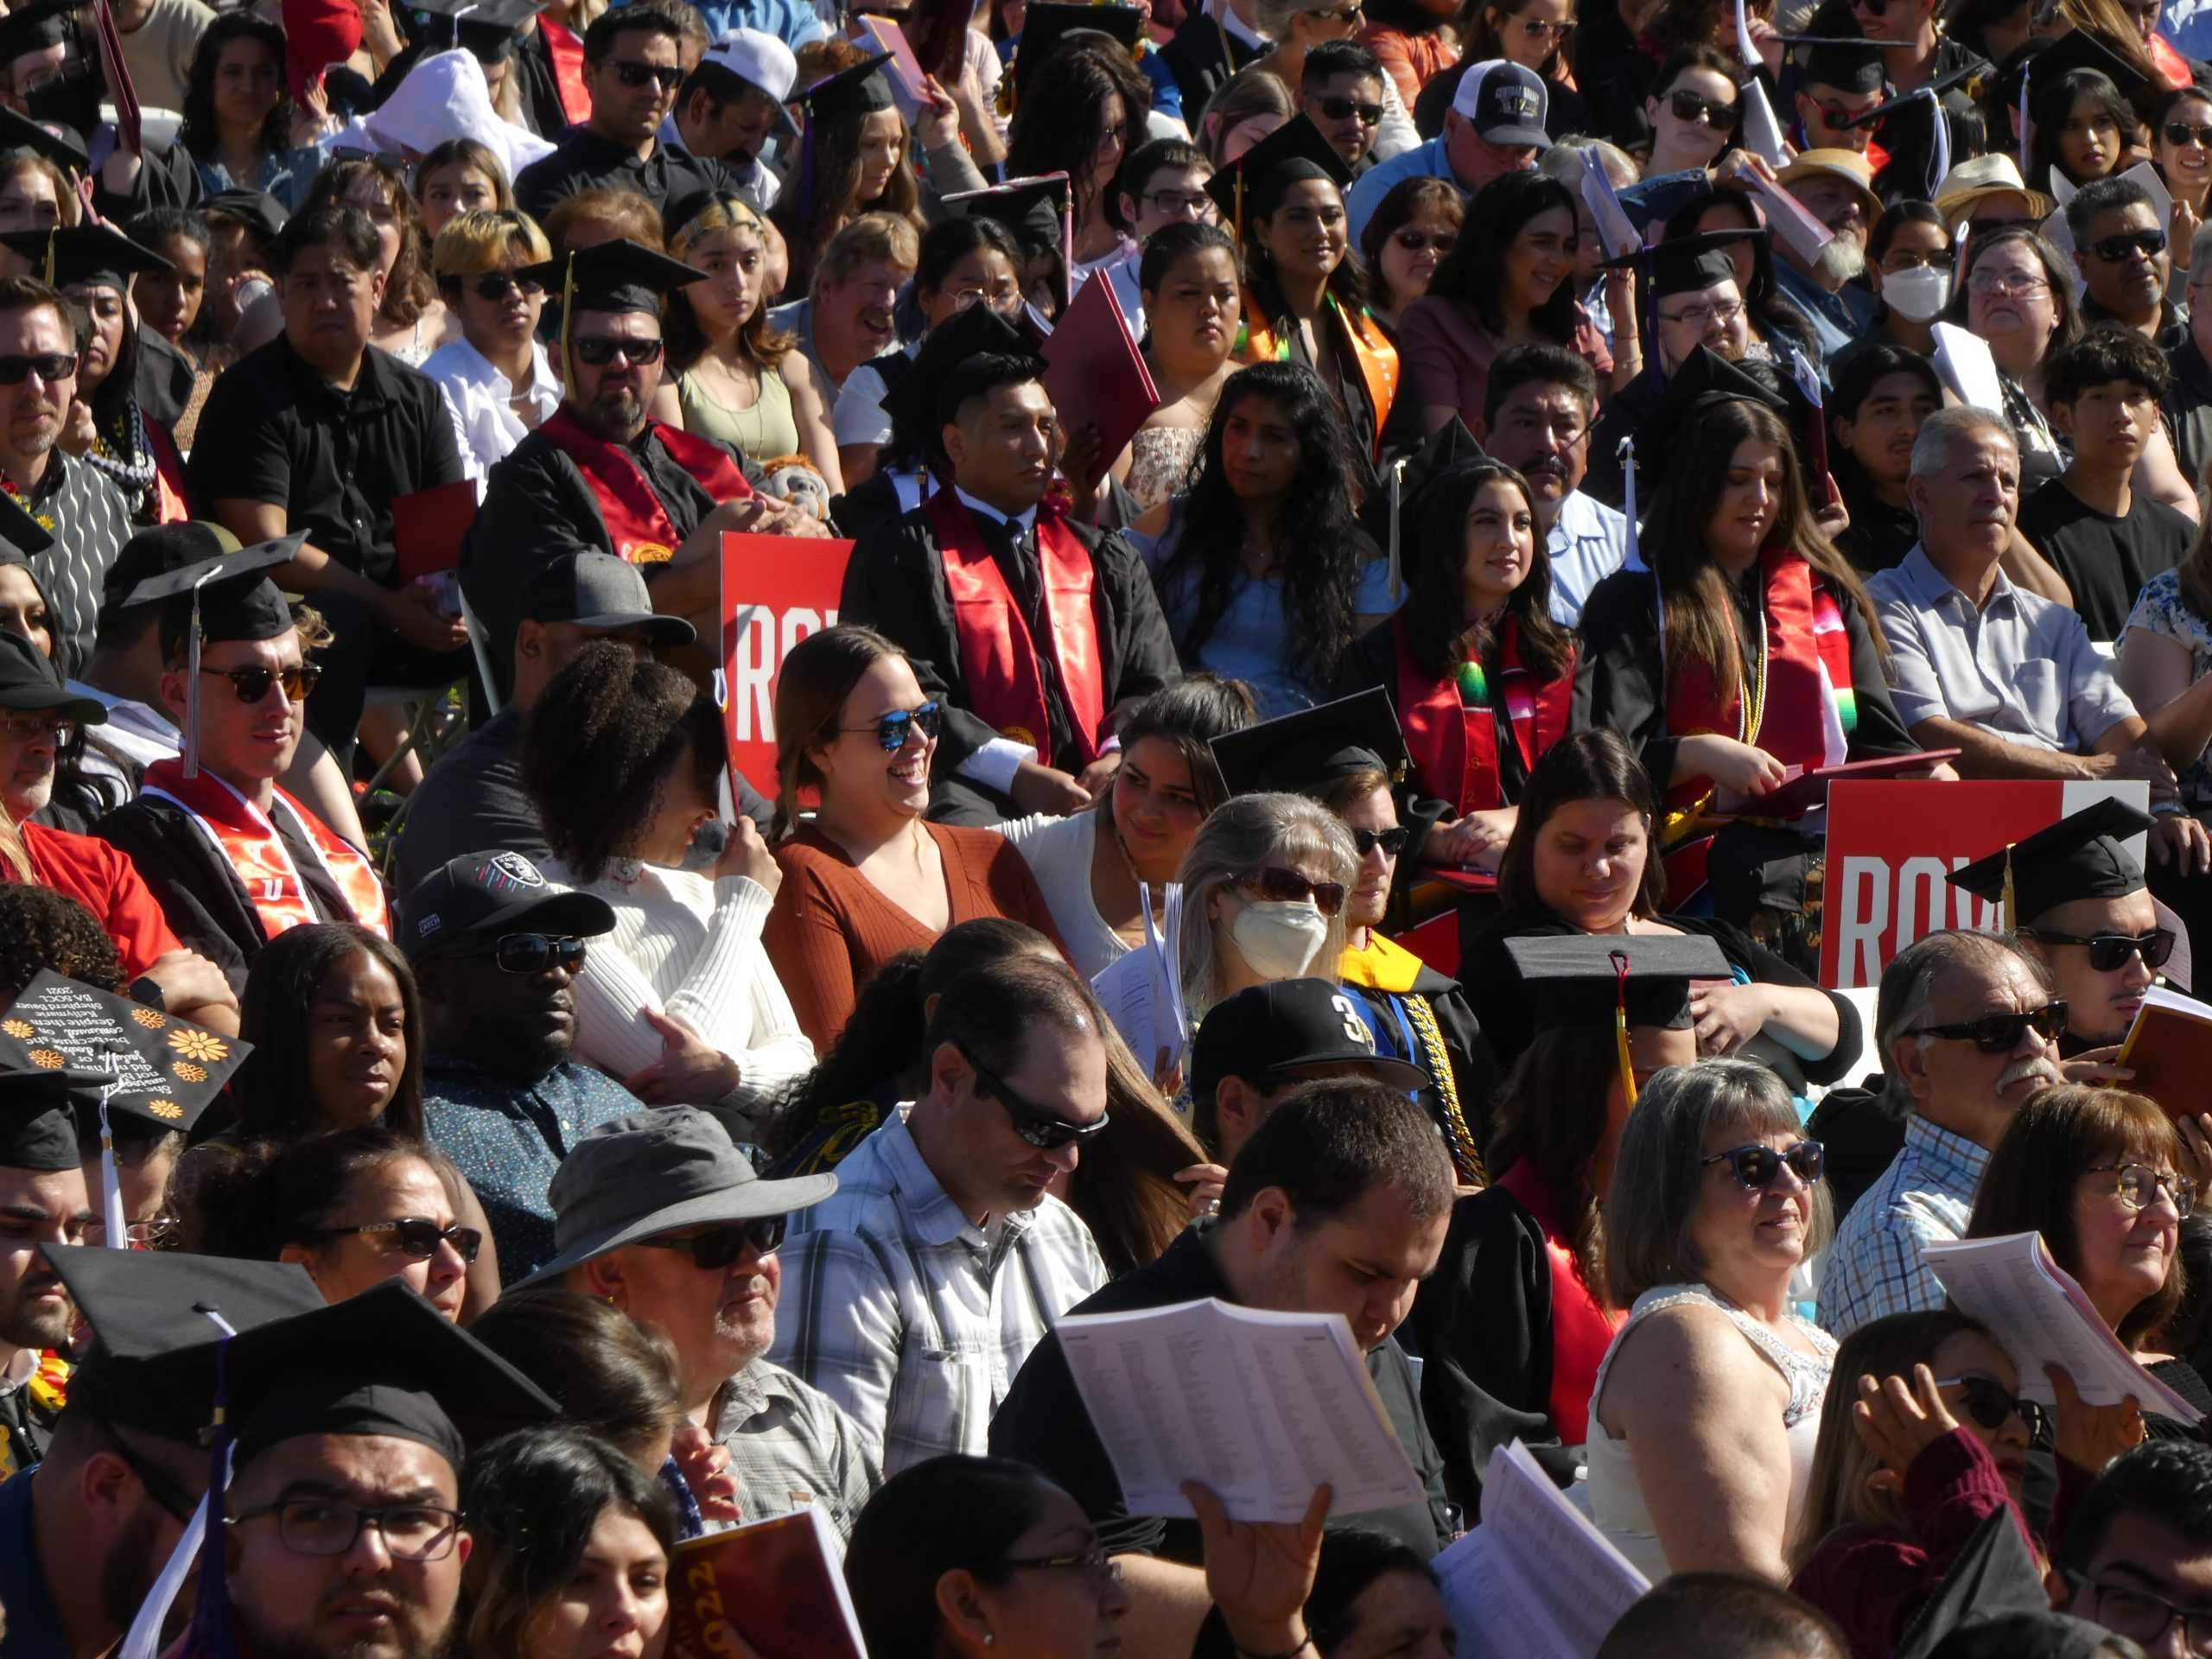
{"points": [[1581, 1328], [246, 839], [1454, 747], [637, 523], [999, 657]]}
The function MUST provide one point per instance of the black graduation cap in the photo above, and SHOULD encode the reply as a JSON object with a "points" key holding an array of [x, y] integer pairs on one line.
{"points": [[1034, 209], [257, 210], [861, 90], [622, 276], [2078, 48], [1850, 63], [1314, 747], [1992, 1576], [1905, 104], [1384, 511], [38, 1129], [151, 1067], [89, 254], [216, 600], [1587, 982], [1687, 265], [1250, 185], [34, 26], [29, 680], [2079, 857], [1704, 379], [21, 136], [1045, 27], [488, 31], [156, 551], [916, 404]]}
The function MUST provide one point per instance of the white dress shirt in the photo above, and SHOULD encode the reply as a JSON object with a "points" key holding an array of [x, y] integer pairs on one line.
{"points": [[477, 396]]}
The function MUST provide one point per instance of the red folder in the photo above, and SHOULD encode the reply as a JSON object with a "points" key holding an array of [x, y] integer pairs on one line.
{"points": [[429, 527], [119, 89], [1094, 372], [777, 1583], [1808, 791]]}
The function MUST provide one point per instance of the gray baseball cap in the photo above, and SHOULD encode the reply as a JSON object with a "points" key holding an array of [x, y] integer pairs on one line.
{"points": [[649, 1173], [597, 590]]}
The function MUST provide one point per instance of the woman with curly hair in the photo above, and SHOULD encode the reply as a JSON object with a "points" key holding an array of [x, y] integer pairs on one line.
{"points": [[1262, 573], [412, 321], [622, 759], [741, 381], [241, 127], [41, 928]]}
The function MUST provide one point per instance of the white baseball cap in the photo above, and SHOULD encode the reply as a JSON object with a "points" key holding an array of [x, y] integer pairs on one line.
{"points": [[759, 59]]}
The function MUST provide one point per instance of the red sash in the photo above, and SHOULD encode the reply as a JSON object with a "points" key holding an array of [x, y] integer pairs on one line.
{"points": [[564, 48], [1581, 1329], [998, 656], [170, 502], [637, 523], [246, 839], [1804, 635], [1453, 747]]}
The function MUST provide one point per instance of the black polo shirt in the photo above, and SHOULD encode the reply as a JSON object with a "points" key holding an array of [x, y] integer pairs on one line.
{"points": [[1043, 1422], [587, 161], [274, 430]]}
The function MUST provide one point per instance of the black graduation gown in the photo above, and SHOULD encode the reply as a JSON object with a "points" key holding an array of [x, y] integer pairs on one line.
{"points": [[197, 891], [895, 583], [1625, 411], [1202, 55]]}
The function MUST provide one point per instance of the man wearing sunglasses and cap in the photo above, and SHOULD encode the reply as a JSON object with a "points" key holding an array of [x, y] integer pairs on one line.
{"points": [[943, 1258], [658, 1213]]}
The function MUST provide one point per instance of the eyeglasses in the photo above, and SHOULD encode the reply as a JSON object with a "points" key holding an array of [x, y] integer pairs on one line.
{"points": [[1695, 106], [1756, 1166], [497, 284], [2144, 1618], [251, 685], [1046, 1131], [533, 953], [666, 76], [895, 730], [2185, 132], [2138, 1186], [2110, 951], [1723, 312], [1179, 201], [1989, 1403], [2149, 242], [1999, 1033], [1392, 842], [721, 1246], [1105, 1570], [1290, 888], [1415, 242], [1337, 109], [1835, 115], [416, 1235], [323, 1526], [28, 728], [1998, 284], [47, 365], [598, 349]]}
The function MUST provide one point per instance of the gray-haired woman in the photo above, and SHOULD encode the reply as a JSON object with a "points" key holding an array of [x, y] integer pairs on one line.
{"points": [[1709, 1402]]}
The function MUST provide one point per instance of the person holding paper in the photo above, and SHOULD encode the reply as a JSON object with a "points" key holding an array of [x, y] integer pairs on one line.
{"points": [[1836, 187], [1338, 1205], [1707, 1405]]}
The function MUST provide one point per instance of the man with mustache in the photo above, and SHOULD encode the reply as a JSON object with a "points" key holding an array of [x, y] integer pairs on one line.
{"points": [[1968, 1029], [1536, 417], [1836, 187]]}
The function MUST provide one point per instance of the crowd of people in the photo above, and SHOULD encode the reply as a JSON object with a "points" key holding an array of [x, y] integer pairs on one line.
{"points": [[1308, 854]]}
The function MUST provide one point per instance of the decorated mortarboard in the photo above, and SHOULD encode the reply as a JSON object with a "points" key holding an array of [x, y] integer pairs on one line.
{"points": [[1314, 747], [34, 26], [916, 404], [486, 29], [76, 255], [257, 210], [1993, 1577], [21, 136], [2081, 48], [1045, 28], [2083, 855], [1585, 982], [1252, 185], [861, 90]]}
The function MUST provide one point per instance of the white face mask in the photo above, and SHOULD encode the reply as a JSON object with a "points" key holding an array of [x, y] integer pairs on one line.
{"points": [[1279, 938], [1917, 295]]}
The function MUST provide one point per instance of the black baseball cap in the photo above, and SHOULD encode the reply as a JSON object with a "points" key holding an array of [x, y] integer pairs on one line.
{"points": [[482, 895], [1506, 103], [1282, 1025], [597, 590], [28, 681]]}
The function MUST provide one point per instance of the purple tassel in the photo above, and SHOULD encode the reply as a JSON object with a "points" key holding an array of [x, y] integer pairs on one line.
{"points": [[211, 1637]]}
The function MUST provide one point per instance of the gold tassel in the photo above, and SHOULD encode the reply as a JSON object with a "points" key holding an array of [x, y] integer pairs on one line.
{"points": [[2008, 906], [1620, 1026]]}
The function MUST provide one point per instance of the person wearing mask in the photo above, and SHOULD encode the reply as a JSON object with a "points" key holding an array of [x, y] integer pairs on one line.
{"points": [[942, 1232], [499, 384], [1883, 394], [2123, 254], [847, 317], [1966, 1027], [1344, 1170], [1496, 126], [732, 103], [1909, 269], [1836, 187], [1538, 403], [2136, 1552], [1192, 304], [659, 1214]]}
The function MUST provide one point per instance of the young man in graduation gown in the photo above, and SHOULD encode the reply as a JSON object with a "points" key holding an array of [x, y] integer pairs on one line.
{"points": [[602, 475], [1032, 630], [234, 860]]}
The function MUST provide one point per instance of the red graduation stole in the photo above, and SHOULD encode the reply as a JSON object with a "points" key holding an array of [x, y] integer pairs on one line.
{"points": [[1805, 634], [246, 839], [1581, 1329], [564, 48], [637, 523], [998, 656], [1453, 747]]}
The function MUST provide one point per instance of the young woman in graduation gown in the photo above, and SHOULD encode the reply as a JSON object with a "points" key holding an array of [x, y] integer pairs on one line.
{"points": [[1757, 652], [1481, 678]]}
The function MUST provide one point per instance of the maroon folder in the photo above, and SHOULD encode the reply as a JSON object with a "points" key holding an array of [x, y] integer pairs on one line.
{"points": [[429, 527], [1094, 372]]}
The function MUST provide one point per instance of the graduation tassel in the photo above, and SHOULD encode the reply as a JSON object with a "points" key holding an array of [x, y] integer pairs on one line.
{"points": [[201, 1545], [2008, 909], [1397, 492], [569, 320], [1619, 959], [2025, 68], [1627, 456], [1941, 155], [118, 1227]]}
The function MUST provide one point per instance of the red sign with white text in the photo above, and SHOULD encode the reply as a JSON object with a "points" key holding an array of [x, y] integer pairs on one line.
{"points": [[1891, 846], [775, 590]]}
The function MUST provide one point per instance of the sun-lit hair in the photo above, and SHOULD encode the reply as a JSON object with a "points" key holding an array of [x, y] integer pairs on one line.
{"points": [[472, 242]]}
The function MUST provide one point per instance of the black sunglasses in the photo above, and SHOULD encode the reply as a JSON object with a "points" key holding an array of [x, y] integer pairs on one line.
{"points": [[2108, 951], [666, 76], [496, 285], [47, 365], [1999, 1033], [2150, 244], [251, 685], [1989, 1403], [1046, 1131], [418, 1236], [1283, 886], [1414, 241], [1695, 106], [598, 349], [1756, 1166], [1835, 115], [1370, 115], [533, 953], [1392, 842], [894, 730], [725, 1245], [2186, 132]]}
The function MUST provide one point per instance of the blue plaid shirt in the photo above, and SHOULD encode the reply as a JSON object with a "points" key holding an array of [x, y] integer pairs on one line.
{"points": [[1924, 1196]]}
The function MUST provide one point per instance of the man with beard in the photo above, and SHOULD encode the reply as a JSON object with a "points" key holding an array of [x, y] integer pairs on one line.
{"points": [[42, 1201], [496, 950], [600, 476], [1968, 1029], [659, 1214], [732, 105], [1536, 410], [1836, 187], [2121, 249]]}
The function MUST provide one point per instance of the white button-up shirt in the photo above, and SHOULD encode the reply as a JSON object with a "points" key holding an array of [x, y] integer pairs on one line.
{"points": [[477, 396], [1587, 543]]}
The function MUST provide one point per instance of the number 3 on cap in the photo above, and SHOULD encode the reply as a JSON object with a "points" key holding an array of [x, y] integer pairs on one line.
{"points": [[1355, 1027]]}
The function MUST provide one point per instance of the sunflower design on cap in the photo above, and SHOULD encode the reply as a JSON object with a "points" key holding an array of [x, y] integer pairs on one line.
{"points": [[199, 1045], [21, 1030], [148, 1017], [48, 1059], [189, 1072], [168, 1109]]}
